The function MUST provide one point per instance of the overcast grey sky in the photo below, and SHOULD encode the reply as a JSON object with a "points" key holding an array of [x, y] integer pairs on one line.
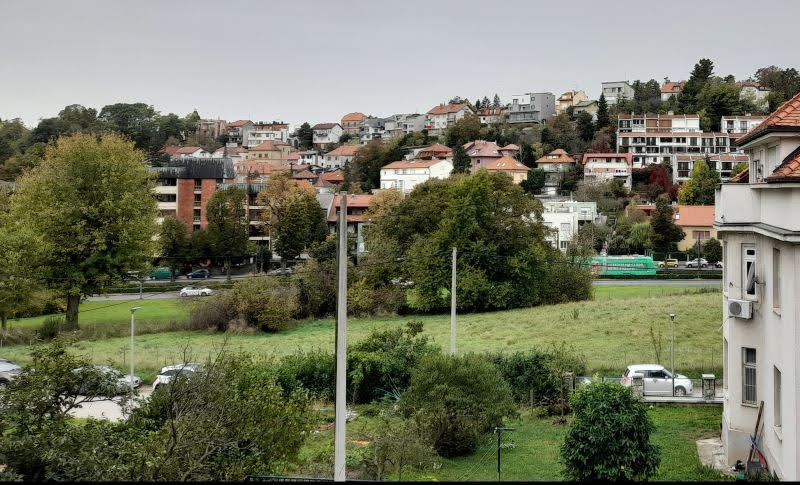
{"points": [[315, 61]]}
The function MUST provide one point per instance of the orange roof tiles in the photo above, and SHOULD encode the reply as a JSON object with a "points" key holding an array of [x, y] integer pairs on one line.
{"points": [[239, 123], [268, 146], [506, 164], [186, 150], [510, 147], [444, 109], [334, 177], [344, 151], [788, 170], [356, 116], [694, 215], [556, 156], [785, 118], [740, 178], [672, 87], [627, 156], [437, 150], [303, 174], [170, 150]]}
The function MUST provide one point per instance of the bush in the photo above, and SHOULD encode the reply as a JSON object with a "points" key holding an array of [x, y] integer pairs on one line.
{"points": [[609, 437], [51, 327], [267, 303], [316, 283], [538, 371], [455, 399], [216, 312], [314, 371]]}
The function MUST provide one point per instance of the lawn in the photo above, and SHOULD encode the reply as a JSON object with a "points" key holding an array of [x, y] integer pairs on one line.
{"points": [[535, 455], [610, 331]]}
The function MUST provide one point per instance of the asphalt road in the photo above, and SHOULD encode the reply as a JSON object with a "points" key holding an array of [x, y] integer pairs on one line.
{"points": [[657, 282], [106, 409]]}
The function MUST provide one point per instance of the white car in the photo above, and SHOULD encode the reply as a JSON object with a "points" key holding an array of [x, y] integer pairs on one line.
{"points": [[195, 291], [658, 380], [166, 374], [693, 263]]}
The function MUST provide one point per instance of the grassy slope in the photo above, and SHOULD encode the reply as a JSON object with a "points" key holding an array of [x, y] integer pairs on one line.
{"points": [[537, 441], [611, 331], [110, 312]]}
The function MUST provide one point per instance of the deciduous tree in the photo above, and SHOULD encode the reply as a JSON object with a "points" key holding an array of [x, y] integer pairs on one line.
{"points": [[228, 225], [699, 189], [173, 243]]}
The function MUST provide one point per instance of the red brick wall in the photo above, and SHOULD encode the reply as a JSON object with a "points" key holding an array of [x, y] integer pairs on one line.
{"points": [[186, 201], [208, 188]]}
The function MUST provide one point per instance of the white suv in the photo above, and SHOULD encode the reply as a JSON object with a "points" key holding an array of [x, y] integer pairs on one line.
{"points": [[169, 372], [658, 380]]}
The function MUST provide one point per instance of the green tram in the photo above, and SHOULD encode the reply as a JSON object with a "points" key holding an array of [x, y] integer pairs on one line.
{"points": [[623, 265]]}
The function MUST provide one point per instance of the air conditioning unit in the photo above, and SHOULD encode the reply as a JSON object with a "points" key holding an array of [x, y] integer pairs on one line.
{"points": [[740, 309]]}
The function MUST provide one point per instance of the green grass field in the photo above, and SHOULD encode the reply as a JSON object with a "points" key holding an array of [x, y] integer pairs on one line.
{"points": [[536, 448], [94, 313], [611, 331]]}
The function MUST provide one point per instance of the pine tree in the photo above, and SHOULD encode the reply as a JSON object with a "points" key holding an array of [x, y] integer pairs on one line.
{"points": [[665, 232], [485, 102], [496, 102], [602, 113], [461, 161]]}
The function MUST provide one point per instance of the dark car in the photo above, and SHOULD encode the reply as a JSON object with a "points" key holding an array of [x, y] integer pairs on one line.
{"points": [[199, 274]]}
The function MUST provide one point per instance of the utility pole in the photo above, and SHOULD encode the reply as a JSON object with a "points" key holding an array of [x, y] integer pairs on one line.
{"points": [[453, 306], [133, 332], [499, 432], [340, 425], [672, 352]]}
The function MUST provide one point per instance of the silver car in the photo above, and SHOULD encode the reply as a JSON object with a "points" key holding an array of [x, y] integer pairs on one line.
{"points": [[112, 381], [168, 373], [8, 372], [658, 381]]}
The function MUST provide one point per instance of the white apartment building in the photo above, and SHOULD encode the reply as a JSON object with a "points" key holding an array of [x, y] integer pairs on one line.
{"points": [[608, 166], [723, 163], [261, 132], [239, 132], [403, 124], [326, 134], [656, 138], [564, 218], [441, 117], [613, 91], [404, 175], [740, 124], [759, 225], [339, 157]]}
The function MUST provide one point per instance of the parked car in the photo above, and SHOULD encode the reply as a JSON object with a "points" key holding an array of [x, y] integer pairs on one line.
{"points": [[658, 380], [693, 263], [163, 273], [200, 274], [195, 291], [168, 373], [8, 372], [280, 272], [718, 264], [668, 263], [103, 380]]}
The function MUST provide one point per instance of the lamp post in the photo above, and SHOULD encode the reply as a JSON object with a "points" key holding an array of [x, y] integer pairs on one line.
{"points": [[133, 331], [672, 352]]}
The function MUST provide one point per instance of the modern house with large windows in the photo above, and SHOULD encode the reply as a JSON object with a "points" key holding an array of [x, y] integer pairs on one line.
{"points": [[758, 221]]}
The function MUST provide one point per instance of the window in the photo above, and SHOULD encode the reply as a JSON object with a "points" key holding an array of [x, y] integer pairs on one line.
{"points": [[566, 227], [166, 197], [198, 184], [776, 278], [564, 244], [748, 376], [167, 182], [197, 199], [725, 363], [701, 234], [168, 212], [748, 283], [776, 397]]}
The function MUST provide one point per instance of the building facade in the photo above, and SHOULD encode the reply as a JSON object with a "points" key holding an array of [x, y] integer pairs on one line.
{"points": [[564, 218], [556, 165], [404, 175], [239, 132], [351, 123], [403, 124], [532, 108], [697, 222], [569, 99], [723, 163], [441, 117], [613, 91], [491, 116], [740, 124], [608, 166], [339, 157], [326, 134], [262, 131], [589, 106], [757, 221]]}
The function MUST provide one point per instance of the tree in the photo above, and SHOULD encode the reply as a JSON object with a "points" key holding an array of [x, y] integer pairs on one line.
{"points": [[17, 280], [602, 113], [609, 437], [294, 215], [173, 242], [496, 101], [585, 126], [559, 133], [228, 225], [305, 136], [640, 237], [782, 83], [712, 251], [717, 100], [486, 103], [738, 168], [700, 76], [137, 121], [534, 181], [526, 155], [699, 189], [462, 131], [461, 161], [90, 204], [665, 232]]}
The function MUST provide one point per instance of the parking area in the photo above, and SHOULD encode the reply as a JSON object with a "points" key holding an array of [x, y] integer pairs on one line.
{"points": [[109, 409]]}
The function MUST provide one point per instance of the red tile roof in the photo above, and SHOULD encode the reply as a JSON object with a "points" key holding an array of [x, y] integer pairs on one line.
{"points": [[293, 156], [413, 163], [788, 170], [694, 215], [334, 177], [344, 151], [170, 150], [239, 123], [506, 164], [742, 177], [304, 174], [186, 150], [556, 156], [268, 146], [627, 156], [510, 147], [785, 118], [444, 109], [323, 126], [671, 87], [356, 116], [435, 150]]}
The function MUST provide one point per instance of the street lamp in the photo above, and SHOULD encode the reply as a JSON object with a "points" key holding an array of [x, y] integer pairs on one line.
{"points": [[672, 352], [133, 330]]}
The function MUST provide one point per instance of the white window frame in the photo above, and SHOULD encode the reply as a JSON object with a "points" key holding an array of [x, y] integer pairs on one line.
{"points": [[746, 366], [776, 280], [745, 282], [776, 397], [725, 363]]}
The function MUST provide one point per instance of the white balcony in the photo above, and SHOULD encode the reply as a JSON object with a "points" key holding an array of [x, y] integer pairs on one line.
{"points": [[751, 204]]}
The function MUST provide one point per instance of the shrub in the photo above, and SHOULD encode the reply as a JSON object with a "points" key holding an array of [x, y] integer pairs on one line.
{"points": [[609, 437], [51, 327], [538, 371], [455, 399], [314, 370], [267, 303], [216, 312], [316, 283], [394, 446]]}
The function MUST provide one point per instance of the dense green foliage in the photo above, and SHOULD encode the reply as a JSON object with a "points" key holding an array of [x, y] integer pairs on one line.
{"points": [[228, 225], [699, 189], [609, 436], [665, 232], [536, 375], [455, 399], [173, 243]]}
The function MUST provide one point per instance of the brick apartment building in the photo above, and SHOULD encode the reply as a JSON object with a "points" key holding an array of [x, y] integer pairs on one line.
{"points": [[185, 186]]}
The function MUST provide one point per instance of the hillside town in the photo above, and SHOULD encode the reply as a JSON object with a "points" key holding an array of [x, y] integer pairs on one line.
{"points": [[525, 283]]}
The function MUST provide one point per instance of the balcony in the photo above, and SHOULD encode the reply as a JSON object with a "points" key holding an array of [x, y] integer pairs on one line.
{"points": [[765, 204]]}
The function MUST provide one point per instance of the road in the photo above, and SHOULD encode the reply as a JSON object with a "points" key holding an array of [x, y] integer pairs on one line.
{"points": [[657, 282], [166, 295], [107, 409]]}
